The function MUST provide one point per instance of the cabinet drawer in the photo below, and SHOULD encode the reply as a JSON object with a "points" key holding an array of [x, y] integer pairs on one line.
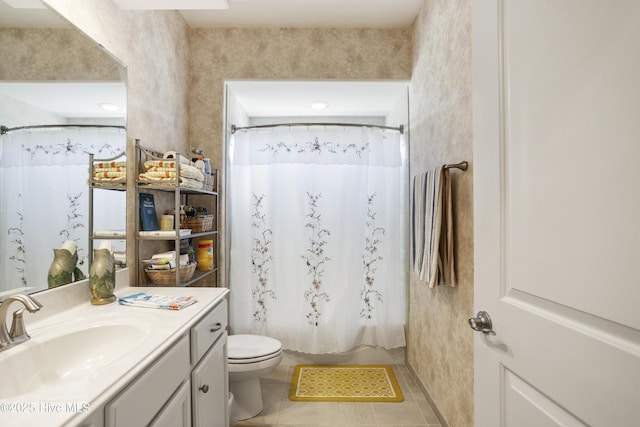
{"points": [[139, 403], [207, 331]]}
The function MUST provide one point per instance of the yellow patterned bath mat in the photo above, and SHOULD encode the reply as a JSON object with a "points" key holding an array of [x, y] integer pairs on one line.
{"points": [[345, 383]]}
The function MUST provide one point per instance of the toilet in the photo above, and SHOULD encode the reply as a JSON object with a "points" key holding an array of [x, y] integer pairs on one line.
{"points": [[249, 358]]}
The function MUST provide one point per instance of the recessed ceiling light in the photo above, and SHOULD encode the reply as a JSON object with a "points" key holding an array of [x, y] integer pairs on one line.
{"points": [[108, 107], [319, 105]]}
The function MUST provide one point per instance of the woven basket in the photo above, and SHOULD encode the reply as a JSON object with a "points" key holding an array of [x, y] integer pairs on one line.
{"points": [[208, 183], [168, 277], [198, 224]]}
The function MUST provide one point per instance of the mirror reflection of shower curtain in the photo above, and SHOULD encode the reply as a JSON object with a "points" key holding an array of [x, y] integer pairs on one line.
{"points": [[318, 236], [44, 198]]}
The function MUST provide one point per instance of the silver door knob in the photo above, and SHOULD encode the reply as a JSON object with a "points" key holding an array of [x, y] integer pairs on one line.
{"points": [[482, 323]]}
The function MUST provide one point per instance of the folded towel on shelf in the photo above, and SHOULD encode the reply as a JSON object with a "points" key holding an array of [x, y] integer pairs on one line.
{"points": [[113, 169], [165, 171], [144, 299], [159, 164], [109, 176], [161, 173], [171, 173], [102, 165], [110, 171], [185, 182], [432, 228], [186, 171]]}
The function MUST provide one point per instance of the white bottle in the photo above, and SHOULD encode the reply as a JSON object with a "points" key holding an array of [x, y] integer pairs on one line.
{"points": [[200, 164]]}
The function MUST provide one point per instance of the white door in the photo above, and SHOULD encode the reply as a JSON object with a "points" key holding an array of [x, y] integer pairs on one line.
{"points": [[557, 212]]}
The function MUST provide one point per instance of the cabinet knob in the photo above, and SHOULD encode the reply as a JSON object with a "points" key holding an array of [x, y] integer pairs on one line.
{"points": [[216, 327], [205, 388]]}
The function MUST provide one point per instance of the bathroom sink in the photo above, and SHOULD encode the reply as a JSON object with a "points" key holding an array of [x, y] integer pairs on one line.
{"points": [[67, 351]]}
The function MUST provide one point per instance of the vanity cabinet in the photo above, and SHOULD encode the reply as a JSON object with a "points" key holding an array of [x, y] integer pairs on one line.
{"points": [[175, 240], [186, 386], [153, 391]]}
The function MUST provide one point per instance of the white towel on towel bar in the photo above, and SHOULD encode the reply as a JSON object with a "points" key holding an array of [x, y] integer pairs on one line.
{"points": [[432, 223]]}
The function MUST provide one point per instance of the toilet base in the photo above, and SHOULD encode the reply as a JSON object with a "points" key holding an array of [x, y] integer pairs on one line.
{"points": [[247, 398], [232, 408]]}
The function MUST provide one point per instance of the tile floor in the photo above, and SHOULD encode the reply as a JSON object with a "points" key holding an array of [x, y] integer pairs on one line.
{"points": [[278, 410]]}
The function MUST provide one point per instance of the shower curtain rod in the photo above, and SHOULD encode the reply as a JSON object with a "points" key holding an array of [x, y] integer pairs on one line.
{"points": [[4, 129], [399, 128]]}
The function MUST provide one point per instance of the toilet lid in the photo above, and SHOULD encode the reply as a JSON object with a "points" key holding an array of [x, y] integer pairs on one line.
{"points": [[251, 346]]}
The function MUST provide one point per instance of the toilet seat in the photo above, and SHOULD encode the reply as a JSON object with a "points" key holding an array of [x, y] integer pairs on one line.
{"points": [[245, 349]]}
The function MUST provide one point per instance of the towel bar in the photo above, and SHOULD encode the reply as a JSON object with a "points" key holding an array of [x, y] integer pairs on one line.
{"points": [[462, 166]]}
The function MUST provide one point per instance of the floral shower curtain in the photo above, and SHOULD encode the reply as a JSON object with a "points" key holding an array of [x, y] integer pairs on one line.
{"points": [[318, 236], [44, 198]]}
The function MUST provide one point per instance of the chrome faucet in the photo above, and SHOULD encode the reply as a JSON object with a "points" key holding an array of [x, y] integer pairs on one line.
{"points": [[18, 332]]}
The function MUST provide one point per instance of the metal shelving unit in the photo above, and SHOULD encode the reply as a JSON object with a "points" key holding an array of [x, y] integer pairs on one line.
{"points": [[181, 196], [107, 186]]}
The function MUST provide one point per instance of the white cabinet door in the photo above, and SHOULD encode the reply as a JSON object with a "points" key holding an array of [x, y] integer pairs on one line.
{"points": [[143, 399], [177, 412], [557, 212], [210, 387]]}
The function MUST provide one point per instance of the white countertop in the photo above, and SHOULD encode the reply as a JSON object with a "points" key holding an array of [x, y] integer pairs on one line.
{"points": [[53, 405]]}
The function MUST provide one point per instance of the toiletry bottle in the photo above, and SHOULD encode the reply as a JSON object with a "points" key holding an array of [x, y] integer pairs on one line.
{"points": [[200, 164]]}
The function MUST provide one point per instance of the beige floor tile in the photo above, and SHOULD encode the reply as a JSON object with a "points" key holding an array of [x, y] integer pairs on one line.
{"points": [[303, 413], [409, 387], [352, 413], [428, 413], [406, 412]]}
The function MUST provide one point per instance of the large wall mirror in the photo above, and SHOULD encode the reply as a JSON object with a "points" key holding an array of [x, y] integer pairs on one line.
{"points": [[62, 96]]}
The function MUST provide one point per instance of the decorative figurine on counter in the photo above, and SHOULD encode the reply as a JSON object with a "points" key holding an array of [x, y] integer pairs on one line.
{"points": [[102, 275], [63, 269]]}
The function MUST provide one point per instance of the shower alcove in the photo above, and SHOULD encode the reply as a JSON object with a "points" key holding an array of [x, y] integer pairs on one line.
{"points": [[368, 103]]}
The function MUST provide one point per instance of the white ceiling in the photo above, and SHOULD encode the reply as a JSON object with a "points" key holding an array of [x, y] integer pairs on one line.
{"points": [[294, 98], [247, 13], [274, 98], [307, 14], [70, 99], [36, 17]]}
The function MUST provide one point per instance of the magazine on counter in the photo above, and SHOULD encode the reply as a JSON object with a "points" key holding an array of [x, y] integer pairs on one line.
{"points": [[164, 302]]}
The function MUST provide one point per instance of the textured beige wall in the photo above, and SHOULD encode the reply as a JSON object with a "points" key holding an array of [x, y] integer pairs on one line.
{"points": [[154, 46], [53, 54], [282, 54], [440, 344]]}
